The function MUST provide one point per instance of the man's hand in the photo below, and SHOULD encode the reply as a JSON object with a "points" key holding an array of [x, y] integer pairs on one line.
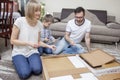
{"points": [[67, 37], [53, 47], [72, 43], [89, 50]]}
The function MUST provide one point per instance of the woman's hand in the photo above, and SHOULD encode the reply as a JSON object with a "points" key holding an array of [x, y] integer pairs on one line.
{"points": [[34, 45]]}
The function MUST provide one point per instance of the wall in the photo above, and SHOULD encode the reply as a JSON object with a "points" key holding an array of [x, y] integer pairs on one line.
{"points": [[112, 6]]}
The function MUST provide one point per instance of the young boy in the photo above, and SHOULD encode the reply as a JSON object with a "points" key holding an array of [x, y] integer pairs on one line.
{"points": [[46, 36]]}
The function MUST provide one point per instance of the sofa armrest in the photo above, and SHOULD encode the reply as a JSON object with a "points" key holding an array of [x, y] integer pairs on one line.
{"points": [[110, 18], [56, 19], [113, 25]]}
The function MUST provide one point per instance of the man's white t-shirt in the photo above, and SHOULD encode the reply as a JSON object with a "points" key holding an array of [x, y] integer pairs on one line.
{"points": [[27, 33], [78, 32]]}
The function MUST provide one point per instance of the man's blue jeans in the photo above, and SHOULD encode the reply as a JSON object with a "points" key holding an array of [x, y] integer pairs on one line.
{"points": [[44, 50], [64, 47], [76, 49], [26, 66]]}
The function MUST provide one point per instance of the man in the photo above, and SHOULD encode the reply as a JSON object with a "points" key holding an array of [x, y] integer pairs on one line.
{"points": [[76, 30]]}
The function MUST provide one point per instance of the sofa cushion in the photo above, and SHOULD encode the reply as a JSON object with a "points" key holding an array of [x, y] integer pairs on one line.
{"points": [[59, 26], [110, 18], [58, 33], [104, 30], [104, 38], [113, 25]]}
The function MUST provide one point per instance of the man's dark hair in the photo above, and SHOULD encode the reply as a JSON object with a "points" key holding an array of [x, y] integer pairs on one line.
{"points": [[79, 9], [48, 18]]}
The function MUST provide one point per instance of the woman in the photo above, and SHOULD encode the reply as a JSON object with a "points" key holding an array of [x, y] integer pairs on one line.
{"points": [[26, 39]]}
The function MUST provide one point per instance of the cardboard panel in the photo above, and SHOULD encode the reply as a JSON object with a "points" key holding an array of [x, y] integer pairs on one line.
{"points": [[115, 76], [68, 72], [111, 64], [59, 66], [97, 58]]}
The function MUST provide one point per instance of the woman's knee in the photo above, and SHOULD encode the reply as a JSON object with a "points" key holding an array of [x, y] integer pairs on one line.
{"points": [[24, 74], [37, 70], [35, 63], [23, 70]]}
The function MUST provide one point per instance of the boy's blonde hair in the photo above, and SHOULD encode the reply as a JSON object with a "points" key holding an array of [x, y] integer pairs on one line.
{"points": [[31, 7], [48, 18]]}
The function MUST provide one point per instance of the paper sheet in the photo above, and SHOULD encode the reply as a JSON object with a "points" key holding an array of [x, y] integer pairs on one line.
{"points": [[76, 62], [83, 79], [68, 77], [88, 76]]}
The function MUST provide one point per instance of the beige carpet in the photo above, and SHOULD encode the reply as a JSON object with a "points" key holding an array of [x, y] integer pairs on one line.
{"points": [[7, 71]]}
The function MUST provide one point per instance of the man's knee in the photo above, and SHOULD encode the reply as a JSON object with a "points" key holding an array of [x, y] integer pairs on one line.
{"points": [[81, 49], [57, 52], [48, 51]]}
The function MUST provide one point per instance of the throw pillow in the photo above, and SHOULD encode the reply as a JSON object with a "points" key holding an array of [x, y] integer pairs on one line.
{"points": [[71, 16], [113, 25], [93, 18]]}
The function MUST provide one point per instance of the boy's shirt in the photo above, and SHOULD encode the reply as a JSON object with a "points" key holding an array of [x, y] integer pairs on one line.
{"points": [[46, 33]]}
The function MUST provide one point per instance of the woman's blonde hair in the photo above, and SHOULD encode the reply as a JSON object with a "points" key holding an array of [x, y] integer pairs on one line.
{"points": [[31, 7]]}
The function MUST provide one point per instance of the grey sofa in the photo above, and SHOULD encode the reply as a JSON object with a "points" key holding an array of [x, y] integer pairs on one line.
{"points": [[104, 28]]}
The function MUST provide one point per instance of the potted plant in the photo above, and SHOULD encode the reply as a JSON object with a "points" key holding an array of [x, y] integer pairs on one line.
{"points": [[42, 10]]}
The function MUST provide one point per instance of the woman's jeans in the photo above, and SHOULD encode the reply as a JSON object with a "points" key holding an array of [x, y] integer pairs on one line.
{"points": [[44, 50], [26, 66], [64, 47]]}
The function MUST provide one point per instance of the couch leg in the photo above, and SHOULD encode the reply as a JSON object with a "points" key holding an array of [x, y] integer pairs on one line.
{"points": [[116, 45]]}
